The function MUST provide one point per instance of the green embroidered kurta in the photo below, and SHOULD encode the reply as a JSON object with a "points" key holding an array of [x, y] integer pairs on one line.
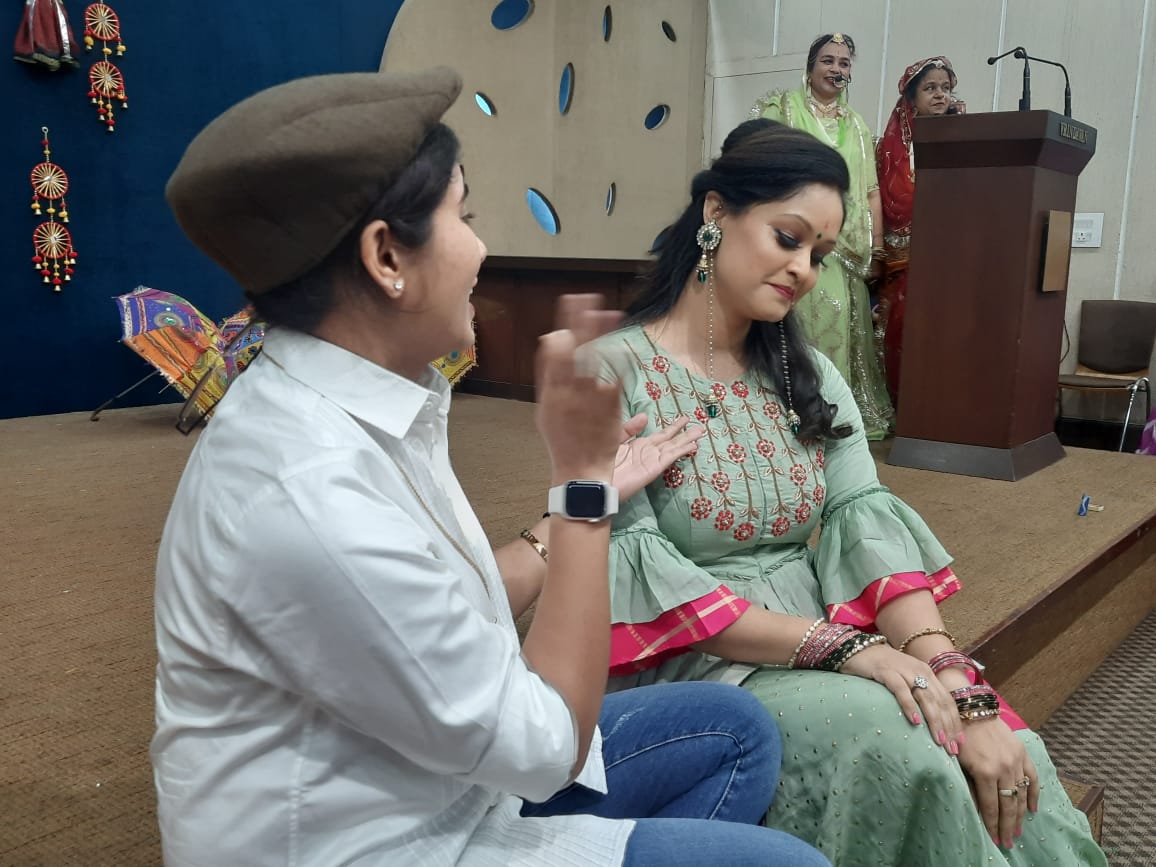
{"points": [[837, 312], [858, 780]]}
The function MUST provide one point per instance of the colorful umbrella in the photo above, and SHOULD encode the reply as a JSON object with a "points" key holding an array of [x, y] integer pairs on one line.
{"points": [[168, 332], [238, 342]]}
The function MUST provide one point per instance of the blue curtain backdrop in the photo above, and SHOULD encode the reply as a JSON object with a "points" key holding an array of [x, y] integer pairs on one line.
{"points": [[186, 62]]}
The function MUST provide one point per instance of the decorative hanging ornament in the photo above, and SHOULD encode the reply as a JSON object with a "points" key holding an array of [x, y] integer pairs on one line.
{"points": [[54, 256], [105, 80], [45, 36]]}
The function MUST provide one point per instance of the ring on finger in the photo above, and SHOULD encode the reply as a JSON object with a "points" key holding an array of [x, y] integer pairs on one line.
{"points": [[1025, 783], [920, 682], [1008, 793]]}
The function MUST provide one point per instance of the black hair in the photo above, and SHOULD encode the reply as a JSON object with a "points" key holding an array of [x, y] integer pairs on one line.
{"points": [[820, 41], [761, 161], [408, 206]]}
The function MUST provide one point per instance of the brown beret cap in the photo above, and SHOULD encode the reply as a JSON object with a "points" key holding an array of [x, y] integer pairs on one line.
{"points": [[269, 188]]}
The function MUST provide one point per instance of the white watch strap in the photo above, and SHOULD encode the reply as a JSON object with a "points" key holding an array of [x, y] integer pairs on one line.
{"points": [[556, 500]]}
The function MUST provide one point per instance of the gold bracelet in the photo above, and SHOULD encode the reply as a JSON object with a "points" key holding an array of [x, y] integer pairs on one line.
{"points": [[931, 630], [533, 542], [806, 637]]}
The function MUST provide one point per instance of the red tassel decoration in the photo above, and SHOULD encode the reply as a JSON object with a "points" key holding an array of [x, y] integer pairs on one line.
{"points": [[54, 254], [105, 80]]}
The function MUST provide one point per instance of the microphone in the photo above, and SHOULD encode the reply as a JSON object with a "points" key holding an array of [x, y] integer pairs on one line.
{"points": [[842, 80], [1067, 83], [1017, 51], [1020, 53]]}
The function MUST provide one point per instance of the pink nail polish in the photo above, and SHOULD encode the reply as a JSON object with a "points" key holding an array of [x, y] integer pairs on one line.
{"points": [[916, 719], [961, 739], [954, 748], [942, 737]]}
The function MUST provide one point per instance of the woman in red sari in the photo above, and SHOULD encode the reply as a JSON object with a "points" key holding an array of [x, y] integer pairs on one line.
{"points": [[926, 89]]}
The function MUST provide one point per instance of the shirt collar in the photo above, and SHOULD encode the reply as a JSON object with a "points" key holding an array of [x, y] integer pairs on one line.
{"points": [[365, 390]]}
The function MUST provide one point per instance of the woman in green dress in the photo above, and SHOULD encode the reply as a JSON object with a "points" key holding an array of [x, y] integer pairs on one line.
{"points": [[895, 750], [837, 315]]}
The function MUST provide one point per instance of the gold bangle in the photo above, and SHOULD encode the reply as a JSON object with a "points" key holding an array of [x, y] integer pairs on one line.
{"points": [[931, 630], [533, 542]]}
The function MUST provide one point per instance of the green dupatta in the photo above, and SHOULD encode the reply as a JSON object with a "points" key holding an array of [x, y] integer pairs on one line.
{"points": [[853, 141]]}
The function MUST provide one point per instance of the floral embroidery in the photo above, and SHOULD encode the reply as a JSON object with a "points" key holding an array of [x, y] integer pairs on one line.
{"points": [[661, 364], [736, 453], [700, 414], [653, 391], [740, 388], [724, 520], [718, 390], [772, 410], [780, 526], [721, 482], [701, 508], [674, 477], [766, 448], [799, 474], [819, 495], [744, 531], [803, 513], [820, 459]]}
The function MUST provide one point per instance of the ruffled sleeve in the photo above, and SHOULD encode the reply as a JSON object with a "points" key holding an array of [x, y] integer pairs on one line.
{"points": [[868, 533], [649, 576]]}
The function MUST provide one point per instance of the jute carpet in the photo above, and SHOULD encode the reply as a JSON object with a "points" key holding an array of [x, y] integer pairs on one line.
{"points": [[83, 508]]}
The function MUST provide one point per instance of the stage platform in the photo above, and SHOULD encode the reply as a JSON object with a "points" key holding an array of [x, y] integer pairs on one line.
{"points": [[1047, 594]]}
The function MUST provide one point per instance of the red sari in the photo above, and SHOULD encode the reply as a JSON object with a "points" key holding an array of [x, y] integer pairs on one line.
{"points": [[895, 163]]}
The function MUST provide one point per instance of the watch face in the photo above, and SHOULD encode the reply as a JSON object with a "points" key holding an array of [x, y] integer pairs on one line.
{"points": [[585, 499]]}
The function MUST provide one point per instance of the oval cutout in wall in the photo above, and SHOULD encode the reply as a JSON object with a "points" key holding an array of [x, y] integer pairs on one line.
{"points": [[566, 88], [543, 212], [669, 31], [485, 104], [510, 13], [607, 24], [657, 116], [611, 197]]}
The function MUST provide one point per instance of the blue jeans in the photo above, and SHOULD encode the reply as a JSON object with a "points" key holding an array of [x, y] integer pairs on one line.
{"points": [[678, 755]]}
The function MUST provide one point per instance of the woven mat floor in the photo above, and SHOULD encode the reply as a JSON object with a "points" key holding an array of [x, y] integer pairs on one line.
{"points": [[1104, 733], [84, 505]]}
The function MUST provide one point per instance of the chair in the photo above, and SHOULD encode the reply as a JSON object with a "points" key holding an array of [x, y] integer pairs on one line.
{"points": [[1116, 344]]}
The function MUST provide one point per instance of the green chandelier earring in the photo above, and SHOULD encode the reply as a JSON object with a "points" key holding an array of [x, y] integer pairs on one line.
{"points": [[709, 237]]}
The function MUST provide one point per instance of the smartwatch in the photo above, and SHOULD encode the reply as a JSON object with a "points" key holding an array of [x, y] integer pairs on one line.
{"points": [[583, 500]]}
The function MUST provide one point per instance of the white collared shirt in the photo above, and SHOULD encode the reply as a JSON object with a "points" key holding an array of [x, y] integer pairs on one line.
{"points": [[336, 684]]}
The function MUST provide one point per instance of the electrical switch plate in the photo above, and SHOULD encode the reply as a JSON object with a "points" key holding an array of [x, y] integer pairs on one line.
{"points": [[1087, 230]]}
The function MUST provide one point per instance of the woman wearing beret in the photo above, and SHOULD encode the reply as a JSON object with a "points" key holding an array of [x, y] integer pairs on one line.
{"points": [[339, 678]]}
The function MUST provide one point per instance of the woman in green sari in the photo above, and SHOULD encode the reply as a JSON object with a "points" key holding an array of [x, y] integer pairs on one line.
{"points": [[837, 315]]}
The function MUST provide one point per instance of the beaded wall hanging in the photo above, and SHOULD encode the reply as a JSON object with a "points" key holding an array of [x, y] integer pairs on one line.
{"points": [[54, 255], [105, 80]]}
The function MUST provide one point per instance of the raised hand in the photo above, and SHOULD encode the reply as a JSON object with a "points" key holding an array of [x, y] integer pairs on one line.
{"points": [[640, 460], [578, 414]]}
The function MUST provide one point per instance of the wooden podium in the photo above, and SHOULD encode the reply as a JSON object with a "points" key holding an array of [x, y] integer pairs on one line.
{"points": [[986, 291]]}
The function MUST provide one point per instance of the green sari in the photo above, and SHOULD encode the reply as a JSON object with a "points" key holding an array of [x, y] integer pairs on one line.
{"points": [[837, 312]]}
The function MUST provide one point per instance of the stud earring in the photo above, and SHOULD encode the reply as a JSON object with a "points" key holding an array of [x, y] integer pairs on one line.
{"points": [[399, 285]]}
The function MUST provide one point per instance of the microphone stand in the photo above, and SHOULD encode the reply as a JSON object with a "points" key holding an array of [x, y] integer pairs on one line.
{"points": [[1020, 53], [1067, 83], [1026, 98]]}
